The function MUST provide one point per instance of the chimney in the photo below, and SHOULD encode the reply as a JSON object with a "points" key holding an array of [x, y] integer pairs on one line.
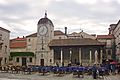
{"points": [[65, 30]]}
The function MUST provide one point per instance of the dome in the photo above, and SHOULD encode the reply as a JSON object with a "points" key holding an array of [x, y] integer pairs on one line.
{"points": [[45, 20]]}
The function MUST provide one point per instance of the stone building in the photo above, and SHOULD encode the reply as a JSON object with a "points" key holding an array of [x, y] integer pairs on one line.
{"points": [[19, 53], [4, 46], [115, 30], [109, 41], [85, 51], [59, 35], [51, 47], [81, 35]]}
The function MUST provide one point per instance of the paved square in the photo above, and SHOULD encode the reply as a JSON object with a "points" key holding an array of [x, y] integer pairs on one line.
{"points": [[8, 76]]}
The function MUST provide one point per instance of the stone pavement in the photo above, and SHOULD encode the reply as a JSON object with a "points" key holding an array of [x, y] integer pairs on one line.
{"points": [[8, 76]]}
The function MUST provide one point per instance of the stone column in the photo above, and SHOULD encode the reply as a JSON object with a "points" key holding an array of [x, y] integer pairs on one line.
{"points": [[70, 56], [101, 53], [61, 57], [52, 57], [90, 57], [80, 58], [96, 57]]}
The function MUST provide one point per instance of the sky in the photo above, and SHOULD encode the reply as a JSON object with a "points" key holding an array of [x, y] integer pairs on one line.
{"points": [[91, 16]]}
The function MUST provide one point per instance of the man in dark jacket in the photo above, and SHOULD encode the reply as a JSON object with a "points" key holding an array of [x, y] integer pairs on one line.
{"points": [[94, 71]]}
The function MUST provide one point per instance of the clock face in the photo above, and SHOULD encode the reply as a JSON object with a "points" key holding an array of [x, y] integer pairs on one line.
{"points": [[42, 30]]}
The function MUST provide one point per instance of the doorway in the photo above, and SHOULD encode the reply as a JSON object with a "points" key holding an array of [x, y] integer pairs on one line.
{"points": [[42, 62], [24, 61]]}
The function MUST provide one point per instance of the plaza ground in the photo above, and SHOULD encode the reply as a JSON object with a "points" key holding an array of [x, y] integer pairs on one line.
{"points": [[37, 76]]}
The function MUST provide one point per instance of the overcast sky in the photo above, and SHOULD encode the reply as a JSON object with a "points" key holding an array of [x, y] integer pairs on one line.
{"points": [[92, 16]]}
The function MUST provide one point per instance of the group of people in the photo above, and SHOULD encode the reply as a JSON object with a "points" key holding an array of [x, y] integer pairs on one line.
{"points": [[96, 70], [105, 69]]}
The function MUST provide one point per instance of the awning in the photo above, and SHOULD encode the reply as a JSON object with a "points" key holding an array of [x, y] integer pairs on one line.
{"points": [[14, 54]]}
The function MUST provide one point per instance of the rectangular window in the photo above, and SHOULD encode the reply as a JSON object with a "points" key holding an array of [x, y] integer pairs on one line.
{"points": [[28, 40], [0, 47], [17, 59], [0, 37], [5, 60], [5, 49], [30, 59], [50, 60]]}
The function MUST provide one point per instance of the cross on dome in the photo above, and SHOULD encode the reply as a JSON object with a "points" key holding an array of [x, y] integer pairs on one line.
{"points": [[45, 13]]}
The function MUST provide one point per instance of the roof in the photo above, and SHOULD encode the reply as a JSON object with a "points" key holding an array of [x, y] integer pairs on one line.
{"points": [[113, 24], [32, 35], [58, 32], [44, 21], [74, 42], [4, 29], [105, 37], [19, 39], [18, 43]]}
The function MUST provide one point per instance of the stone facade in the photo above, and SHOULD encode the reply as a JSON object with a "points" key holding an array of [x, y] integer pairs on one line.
{"points": [[19, 45], [110, 46], [45, 34], [115, 30], [4, 46]]}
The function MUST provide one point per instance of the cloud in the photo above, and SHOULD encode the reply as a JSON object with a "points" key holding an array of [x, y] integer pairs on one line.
{"points": [[3, 2], [86, 1], [75, 14], [94, 16]]}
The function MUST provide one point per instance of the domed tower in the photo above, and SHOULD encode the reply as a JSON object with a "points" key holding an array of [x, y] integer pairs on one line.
{"points": [[45, 33]]}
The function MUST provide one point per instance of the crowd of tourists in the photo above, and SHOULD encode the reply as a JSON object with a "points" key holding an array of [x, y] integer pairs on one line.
{"points": [[96, 70]]}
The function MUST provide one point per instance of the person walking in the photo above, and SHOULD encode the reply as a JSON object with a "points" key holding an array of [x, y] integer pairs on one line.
{"points": [[94, 71]]}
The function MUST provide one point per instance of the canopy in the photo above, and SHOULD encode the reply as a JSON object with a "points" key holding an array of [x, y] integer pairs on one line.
{"points": [[14, 54]]}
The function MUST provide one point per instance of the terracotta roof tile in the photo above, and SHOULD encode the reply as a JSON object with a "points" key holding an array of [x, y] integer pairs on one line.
{"points": [[74, 42], [18, 43], [105, 37]]}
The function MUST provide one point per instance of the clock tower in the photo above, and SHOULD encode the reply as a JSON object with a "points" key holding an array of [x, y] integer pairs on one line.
{"points": [[45, 33]]}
